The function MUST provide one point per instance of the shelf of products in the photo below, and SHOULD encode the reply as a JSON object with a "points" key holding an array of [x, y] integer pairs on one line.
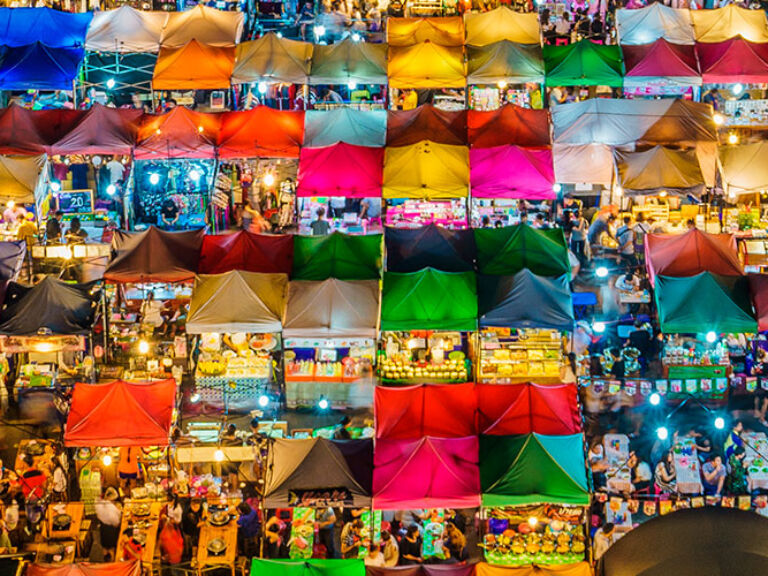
{"points": [[508, 355], [416, 213], [328, 361], [424, 357]]}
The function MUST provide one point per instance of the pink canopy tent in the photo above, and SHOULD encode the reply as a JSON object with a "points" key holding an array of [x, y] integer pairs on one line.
{"points": [[512, 172], [426, 473], [341, 170]]}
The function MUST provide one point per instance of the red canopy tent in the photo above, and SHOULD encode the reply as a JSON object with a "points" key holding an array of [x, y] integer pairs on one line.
{"points": [[101, 130], [411, 412], [758, 290], [121, 414], [19, 133], [528, 408], [180, 133], [661, 59], [262, 131], [406, 127], [509, 124], [732, 61], [341, 170], [246, 251]]}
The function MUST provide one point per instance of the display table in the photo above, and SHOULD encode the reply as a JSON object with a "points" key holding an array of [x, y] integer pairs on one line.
{"points": [[70, 531], [619, 476], [143, 516], [756, 460], [687, 467], [635, 297], [213, 537]]}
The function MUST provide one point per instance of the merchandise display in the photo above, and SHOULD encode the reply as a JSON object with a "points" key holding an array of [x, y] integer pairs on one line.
{"points": [[516, 355], [424, 357]]}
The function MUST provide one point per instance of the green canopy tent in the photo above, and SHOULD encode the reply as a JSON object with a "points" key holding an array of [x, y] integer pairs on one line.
{"points": [[309, 567], [506, 251], [337, 256], [584, 64], [704, 302], [429, 300], [533, 468]]}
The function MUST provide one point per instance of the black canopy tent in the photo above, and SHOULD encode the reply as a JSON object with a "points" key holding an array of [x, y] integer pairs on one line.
{"points": [[411, 249]]}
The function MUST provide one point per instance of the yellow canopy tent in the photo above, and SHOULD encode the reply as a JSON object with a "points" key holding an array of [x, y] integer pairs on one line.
{"points": [[724, 23], [502, 23], [272, 59], [410, 31], [426, 170], [426, 65], [19, 177], [194, 66]]}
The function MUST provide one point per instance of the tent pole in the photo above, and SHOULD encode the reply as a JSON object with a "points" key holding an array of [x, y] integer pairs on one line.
{"points": [[74, 94]]}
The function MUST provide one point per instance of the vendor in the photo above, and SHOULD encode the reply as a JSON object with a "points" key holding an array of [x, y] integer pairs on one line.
{"points": [[169, 214], [152, 313], [128, 467]]}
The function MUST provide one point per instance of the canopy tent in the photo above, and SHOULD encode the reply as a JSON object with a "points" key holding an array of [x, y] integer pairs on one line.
{"points": [[426, 473], [19, 177], [533, 468], [408, 127], [691, 253], [573, 569], [578, 163], [583, 63], [528, 408], [58, 29], [704, 302], [728, 22], [500, 24], [121, 414], [444, 31], [11, 258], [244, 250], [466, 569], [332, 309], [732, 61], [349, 62], [101, 130], [504, 251], [19, 131], [340, 170], [315, 465], [154, 255], [132, 568], [649, 23], [308, 567], [261, 132], [714, 540], [338, 256], [509, 124], [205, 25], [742, 168], [426, 170], [436, 410], [125, 30], [180, 133], [194, 66], [426, 65], [661, 61], [525, 300], [659, 168], [512, 172], [344, 124], [505, 61], [237, 301], [272, 59], [408, 301], [51, 307], [758, 290], [38, 66], [411, 249]]}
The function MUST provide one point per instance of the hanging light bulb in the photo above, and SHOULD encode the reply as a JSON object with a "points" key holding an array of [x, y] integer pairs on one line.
{"points": [[106, 460], [263, 401], [262, 87], [194, 175], [154, 178], [218, 455], [111, 190], [111, 83], [143, 347], [654, 399], [269, 179]]}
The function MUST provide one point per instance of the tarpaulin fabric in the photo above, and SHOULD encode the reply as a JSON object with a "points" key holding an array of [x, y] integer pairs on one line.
{"points": [[659, 168], [732, 61], [444, 31], [101, 130], [337, 255], [340, 170], [725, 23], [237, 301], [121, 414], [587, 163], [308, 567], [261, 132], [691, 253], [55, 28], [344, 124], [244, 250], [512, 172], [509, 124], [426, 170], [504, 251], [54, 123], [412, 412], [154, 255], [683, 123], [742, 167], [318, 464], [132, 568], [332, 309], [51, 306], [703, 303], [180, 133], [505, 61], [126, 30], [411, 249], [423, 570], [349, 62], [575, 569], [528, 408], [407, 127], [11, 258], [19, 177], [38, 66], [272, 59], [19, 132], [533, 469], [501, 23], [426, 65], [194, 66], [714, 540], [525, 300], [206, 25], [583, 63], [758, 290], [649, 23], [661, 60], [408, 301], [426, 473]]}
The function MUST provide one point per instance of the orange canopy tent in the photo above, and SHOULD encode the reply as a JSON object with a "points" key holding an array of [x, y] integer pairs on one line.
{"points": [[261, 132], [180, 133], [194, 66], [406, 127], [509, 124], [576, 569]]}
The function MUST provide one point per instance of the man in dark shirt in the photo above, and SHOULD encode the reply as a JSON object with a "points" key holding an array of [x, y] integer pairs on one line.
{"points": [[53, 227], [169, 213]]}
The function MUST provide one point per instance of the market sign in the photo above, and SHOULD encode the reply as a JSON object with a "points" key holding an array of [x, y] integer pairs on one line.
{"points": [[320, 497], [75, 201]]}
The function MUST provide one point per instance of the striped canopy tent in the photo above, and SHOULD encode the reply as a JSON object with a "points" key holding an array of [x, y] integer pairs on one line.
{"points": [[502, 24], [426, 65], [272, 59], [505, 62], [349, 62], [426, 170]]}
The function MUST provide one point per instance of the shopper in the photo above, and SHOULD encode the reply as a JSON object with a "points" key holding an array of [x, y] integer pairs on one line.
{"points": [[320, 227]]}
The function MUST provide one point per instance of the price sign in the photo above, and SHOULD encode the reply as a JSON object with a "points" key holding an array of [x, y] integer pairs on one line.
{"points": [[75, 201]]}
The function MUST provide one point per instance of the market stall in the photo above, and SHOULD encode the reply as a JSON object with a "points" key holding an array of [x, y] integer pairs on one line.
{"points": [[125, 30], [194, 66], [508, 250], [659, 168], [504, 72], [345, 124], [426, 122], [246, 251], [649, 23], [349, 63], [583, 63], [426, 65], [721, 24], [86, 569], [448, 31], [272, 59], [20, 179], [307, 567], [501, 24], [340, 256], [40, 66], [529, 173], [204, 24], [660, 68], [412, 249], [509, 125]]}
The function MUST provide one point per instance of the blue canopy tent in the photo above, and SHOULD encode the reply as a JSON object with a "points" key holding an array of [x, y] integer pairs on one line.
{"points": [[24, 26], [38, 66]]}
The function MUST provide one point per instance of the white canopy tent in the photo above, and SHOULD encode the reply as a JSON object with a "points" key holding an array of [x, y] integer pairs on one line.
{"points": [[648, 24]]}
